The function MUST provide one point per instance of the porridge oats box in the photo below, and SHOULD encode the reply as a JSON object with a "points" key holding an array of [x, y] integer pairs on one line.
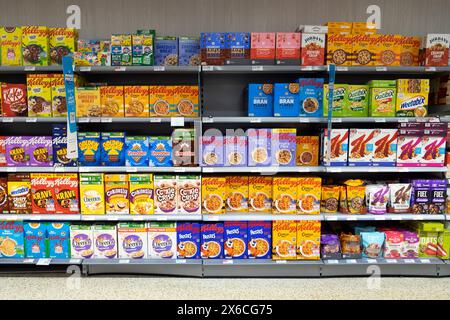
{"points": [[185, 101], [17, 150], [19, 193], [385, 147], [313, 49], [162, 240], [260, 194], [35, 239], [11, 239], [59, 107], [188, 194], [212, 235], [35, 46], [238, 45], [288, 47], [66, 193], [284, 195], [212, 150], [160, 152], [165, 199], [213, 48], [284, 240], [235, 240], [132, 237], [89, 149], [62, 43], [213, 194], [141, 193], [235, 151], [58, 234], [59, 146], [286, 101], [283, 147], [88, 102], [259, 239], [166, 51], [10, 46], [117, 194], [188, 240], [263, 46], [113, 149], [311, 97], [307, 152], [81, 241], [236, 194], [161, 100], [105, 241], [259, 147], [92, 193], [136, 151], [136, 100], [112, 101], [189, 51], [260, 100], [43, 196], [436, 47], [39, 93], [338, 147], [361, 148], [41, 151], [14, 100]]}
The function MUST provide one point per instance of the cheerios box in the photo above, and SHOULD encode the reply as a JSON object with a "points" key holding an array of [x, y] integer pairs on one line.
{"points": [[89, 149], [235, 240], [35, 234], [58, 234], [259, 147], [141, 193], [81, 241], [166, 51], [162, 240], [213, 194], [10, 46], [160, 152], [235, 153], [136, 151], [260, 100], [284, 195], [286, 101], [212, 150], [260, 194], [212, 235], [35, 46], [92, 193], [236, 194], [132, 237], [188, 240], [113, 149], [311, 97], [11, 239], [283, 147], [105, 241], [39, 94], [259, 239], [284, 240]]}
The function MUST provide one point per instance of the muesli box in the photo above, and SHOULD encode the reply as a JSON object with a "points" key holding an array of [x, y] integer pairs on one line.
{"points": [[39, 93], [283, 147], [165, 199], [92, 193], [338, 147], [62, 43], [313, 49], [113, 149], [263, 46], [238, 46], [189, 51], [189, 194], [212, 235], [35, 238], [160, 152], [286, 102], [284, 195], [66, 193], [361, 148], [89, 149], [4, 208], [136, 151], [81, 241], [311, 97], [162, 240], [235, 151], [235, 240], [185, 101], [41, 151], [105, 241], [260, 194], [58, 240], [59, 107], [11, 239], [35, 46], [385, 147], [212, 150], [117, 199], [112, 101], [213, 48], [166, 51], [436, 47], [213, 194], [308, 240], [136, 101], [43, 198], [14, 100], [259, 239], [284, 240], [188, 240], [288, 47], [260, 100], [141, 194], [132, 237], [259, 147], [59, 146], [17, 151], [236, 194], [11, 46]]}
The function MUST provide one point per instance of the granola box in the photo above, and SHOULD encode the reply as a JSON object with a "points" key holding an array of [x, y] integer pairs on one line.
{"points": [[132, 237], [311, 97], [184, 148], [35, 46], [43, 198], [14, 100], [88, 102], [358, 101], [62, 43], [339, 49], [41, 151], [112, 101], [263, 46], [11, 239], [385, 147], [92, 193], [259, 147], [235, 153], [58, 240], [113, 149], [81, 241], [238, 45], [340, 100], [212, 235], [361, 148], [166, 51], [59, 106], [160, 152], [19, 193], [17, 151], [284, 147], [136, 151], [260, 194], [11, 46], [260, 100], [213, 194], [35, 239], [165, 198], [307, 151], [4, 195], [236, 194], [259, 239], [189, 194], [284, 195], [66, 193], [136, 99], [308, 195], [409, 50], [142, 49], [185, 101], [121, 50], [284, 240], [117, 199], [288, 46], [105, 241], [212, 150], [189, 51], [59, 146], [436, 47], [308, 240], [39, 93], [162, 240], [188, 240], [213, 48], [161, 100], [313, 49], [89, 149], [338, 142], [141, 194], [286, 101], [235, 240]]}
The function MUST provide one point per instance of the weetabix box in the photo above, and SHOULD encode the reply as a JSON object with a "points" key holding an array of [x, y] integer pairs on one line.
{"points": [[213, 48], [66, 193], [263, 46], [35, 46], [313, 49], [136, 101], [59, 106], [260, 100], [39, 93], [42, 193], [166, 51], [288, 47], [235, 153], [62, 43], [11, 46], [14, 100], [189, 51], [142, 47], [185, 101], [59, 146], [112, 101], [286, 100], [259, 147]]}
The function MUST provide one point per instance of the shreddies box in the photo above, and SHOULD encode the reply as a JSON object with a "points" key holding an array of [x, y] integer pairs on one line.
{"points": [[212, 235], [58, 240], [235, 240], [142, 49], [136, 151], [113, 149], [81, 241], [92, 193], [262, 46], [43, 196], [39, 93], [259, 239], [66, 193], [260, 100], [309, 195], [35, 46], [361, 148], [189, 51], [283, 147], [112, 101], [35, 237], [288, 46], [213, 195], [286, 102], [189, 194], [62, 43], [166, 51], [141, 193], [188, 240], [10, 46], [88, 102], [165, 199], [235, 150], [185, 101], [338, 148], [161, 100], [260, 194], [308, 240], [59, 107], [136, 101], [284, 240], [14, 100], [132, 239], [105, 241], [11, 240], [162, 240], [385, 147], [117, 194], [313, 49], [236, 194]]}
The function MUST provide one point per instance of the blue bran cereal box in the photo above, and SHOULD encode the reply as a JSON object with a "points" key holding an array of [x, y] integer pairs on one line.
{"points": [[283, 147], [212, 150], [11, 239], [160, 154], [60, 158], [89, 153], [260, 100], [58, 234], [235, 242], [213, 48], [189, 51], [35, 239], [259, 239], [235, 151], [212, 235], [286, 102], [311, 97], [166, 51], [238, 44], [188, 240], [259, 146], [136, 151], [113, 149]]}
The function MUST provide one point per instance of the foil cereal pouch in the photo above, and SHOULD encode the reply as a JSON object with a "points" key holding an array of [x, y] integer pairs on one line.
{"points": [[141, 194]]}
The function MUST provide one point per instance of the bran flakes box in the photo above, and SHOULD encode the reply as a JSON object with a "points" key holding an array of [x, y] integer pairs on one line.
{"points": [[284, 240], [235, 240], [62, 43], [313, 49], [2, 151], [105, 241], [160, 152], [260, 194], [165, 199], [42, 193], [188, 240], [35, 46], [236, 194], [141, 194], [189, 51], [189, 194], [59, 107], [59, 146], [259, 239], [212, 235], [66, 193], [259, 147], [260, 100], [89, 152], [19, 193], [212, 150], [308, 240], [162, 240], [185, 101], [136, 151], [286, 101], [213, 194], [11, 46], [41, 151], [35, 238], [17, 151], [4, 208], [58, 234], [361, 148], [166, 51], [11, 239], [14, 100], [288, 46], [235, 151], [81, 241], [311, 97], [112, 101], [283, 147], [161, 100], [92, 193], [39, 93], [113, 149], [117, 194], [262, 46], [136, 100], [284, 195], [385, 147], [132, 240]]}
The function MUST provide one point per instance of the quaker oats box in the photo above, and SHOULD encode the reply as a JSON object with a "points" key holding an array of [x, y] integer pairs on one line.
{"points": [[212, 235], [361, 147], [238, 46], [81, 241], [62, 43], [286, 100], [39, 93], [136, 151], [59, 146], [10, 46], [283, 147], [132, 240], [188, 240], [41, 151], [235, 240], [212, 150], [213, 48], [189, 51], [89, 152], [11, 239], [43, 197], [160, 152], [58, 234], [113, 149], [288, 47], [162, 240], [313, 49], [19, 193], [263, 46], [235, 151], [166, 51], [4, 195], [2, 151], [189, 194], [59, 107], [35, 237], [35, 46], [385, 147], [105, 241], [260, 100], [17, 151], [66, 193], [311, 97], [14, 100], [259, 147]]}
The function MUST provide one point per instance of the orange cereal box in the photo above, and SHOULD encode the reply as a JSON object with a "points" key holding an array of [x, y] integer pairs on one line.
{"points": [[39, 93], [236, 194], [136, 101], [88, 102], [112, 101], [389, 50], [308, 240], [284, 193], [409, 50], [213, 195], [260, 194], [284, 240], [185, 101], [339, 49], [161, 100], [309, 193], [307, 153], [364, 50]]}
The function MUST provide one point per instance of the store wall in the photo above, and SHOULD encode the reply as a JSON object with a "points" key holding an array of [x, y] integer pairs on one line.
{"points": [[100, 18]]}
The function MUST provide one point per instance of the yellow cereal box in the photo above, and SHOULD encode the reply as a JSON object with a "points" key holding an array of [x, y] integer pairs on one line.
{"points": [[88, 102], [308, 240], [112, 101], [141, 194], [92, 193], [339, 49], [11, 46], [117, 194], [284, 193], [309, 195], [364, 50], [62, 43], [39, 94], [136, 101], [339, 25], [185, 101], [236, 194], [284, 240], [260, 194], [161, 99], [409, 50], [389, 50], [59, 107], [35, 46], [213, 195], [307, 153]]}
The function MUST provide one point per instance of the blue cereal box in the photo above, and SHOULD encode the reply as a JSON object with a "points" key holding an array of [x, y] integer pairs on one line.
{"points": [[235, 242], [286, 102], [188, 240], [58, 234], [166, 51], [11, 239], [160, 152], [60, 158], [259, 147], [35, 239], [213, 48], [212, 150], [136, 151], [113, 149], [238, 44], [212, 241], [260, 100], [311, 97], [89, 149], [189, 51], [259, 239]]}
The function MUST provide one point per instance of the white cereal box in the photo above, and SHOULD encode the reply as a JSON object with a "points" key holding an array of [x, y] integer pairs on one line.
{"points": [[105, 241], [162, 240], [81, 241], [189, 194], [338, 147], [132, 240], [165, 196], [360, 147], [385, 147]]}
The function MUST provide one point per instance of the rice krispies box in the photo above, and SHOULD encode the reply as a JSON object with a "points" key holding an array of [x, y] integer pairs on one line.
{"points": [[41, 151], [235, 150], [188, 240], [262, 46], [59, 146], [259, 239], [66, 193], [160, 152], [35, 238], [212, 235], [338, 147], [238, 45], [311, 97], [113, 149], [42, 193], [136, 151], [283, 147], [17, 151], [286, 102], [212, 150], [89, 149], [39, 93], [385, 147], [260, 100], [11, 239], [288, 47], [235, 240], [58, 235], [361, 147], [259, 147], [14, 100]]}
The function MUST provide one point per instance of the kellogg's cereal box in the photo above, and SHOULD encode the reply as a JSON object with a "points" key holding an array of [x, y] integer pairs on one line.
{"points": [[365, 49], [288, 47], [35, 236], [160, 152], [184, 148], [11, 239], [361, 147], [112, 101], [311, 97], [189, 51], [113, 149], [166, 51], [212, 235], [188, 194], [235, 240], [389, 50], [213, 48], [338, 148], [260, 100], [286, 100], [81, 241], [433, 150], [165, 200], [132, 240], [260, 194], [19, 193], [409, 51], [141, 193], [89, 153], [161, 100], [385, 147], [62, 43], [339, 49], [259, 147], [309, 194], [313, 49], [59, 146], [307, 152], [436, 50], [308, 240], [235, 150], [136, 101], [42, 193], [92, 193], [162, 240], [188, 240], [236, 194], [58, 234], [14, 100], [11, 46], [105, 241], [41, 151], [284, 195], [66, 193], [262, 46], [185, 101], [17, 151], [39, 92], [59, 107], [238, 45], [283, 147], [284, 240], [213, 195], [136, 151], [212, 150], [117, 194], [4, 195], [35, 46], [142, 50], [259, 239], [88, 102]]}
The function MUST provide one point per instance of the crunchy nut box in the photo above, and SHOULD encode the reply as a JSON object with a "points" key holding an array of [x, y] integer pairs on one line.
{"points": [[364, 50], [389, 50], [339, 49]]}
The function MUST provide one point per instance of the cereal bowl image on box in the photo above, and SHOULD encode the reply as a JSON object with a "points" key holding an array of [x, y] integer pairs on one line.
{"points": [[132, 240], [105, 241], [81, 241]]}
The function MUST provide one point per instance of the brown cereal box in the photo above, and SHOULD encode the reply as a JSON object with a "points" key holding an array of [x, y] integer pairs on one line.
{"points": [[43, 193], [260, 194], [284, 193], [62, 43], [88, 102], [185, 101], [284, 240], [409, 50], [10, 46], [189, 194], [236, 194], [112, 101], [35, 46], [339, 49], [161, 100], [2, 151], [213, 195], [136, 101], [19, 193], [117, 194], [165, 200], [313, 49], [308, 240], [59, 107], [39, 92], [4, 206], [309, 195], [307, 153]]}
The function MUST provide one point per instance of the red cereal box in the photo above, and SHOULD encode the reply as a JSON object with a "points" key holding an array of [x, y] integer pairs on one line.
{"points": [[14, 100], [436, 48], [42, 193], [262, 46], [313, 49], [66, 193], [288, 46], [2, 151]]}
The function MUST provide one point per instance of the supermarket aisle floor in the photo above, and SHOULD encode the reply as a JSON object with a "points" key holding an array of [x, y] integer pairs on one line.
{"points": [[133, 287]]}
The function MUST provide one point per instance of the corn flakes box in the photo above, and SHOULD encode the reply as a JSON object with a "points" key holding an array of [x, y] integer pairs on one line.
{"points": [[185, 101], [286, 101], [340, 101], [308, 240], [92, 193], [284, 240], [112, 101], [235, 240], [283, 147], [358, 101], [307, 152], [259, 147], [160, 152], [260, 99], [309, 195], [43, 193], [89, 149], [88, 102], [11, 239], [259, 239], [162, 240], [58, 234], [62, 43], [189, 194], [260, 194], [39, 92], [81, 241], [212, 236], [141, 194], [59, 107], [136, 101], [105, 241], [161, 100], [11, 46], [35, 239], [136, 151], [284, 194], [66, 193], [133, 241], [19, 193], [35, 46], [188, 240], [236, 194], [165, 200], [117, 194], [113, 149], [213, 195]]}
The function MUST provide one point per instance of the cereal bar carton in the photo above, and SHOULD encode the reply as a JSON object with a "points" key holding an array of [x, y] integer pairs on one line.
{"points": [[213, 48], [59, 107], [166, 51], [339, 49], [59, 146], [66, 193], [313, 49], [311, 97], [283, 147], [113, 149], [260, 100], [361, 148], [11, 239], [212, 150], [189, 194], [112, 101], [185, 101], [58, 234], [136, 151], [41, 151], [62, 43], [161, 100], [309, 194], [284, 195], [88, 102], [141, 193], [263, 46], [260, 194], [19, 193], [384, 147], [358, 101], [117, 194], [338, 145], [35, 46], [162, 240], [235, 151], [142, 47], [436, 47], [238, 46], [308, 240], [105, 241], [11, 46], [39, 93], [235, 240], [212, 235], [4, 208], [259, 239], [165, 199], [89, 149], [160, 152], [259, 147], [81, 241], [284, 240], [14, 100], [236, 194], [188, 240], [213, 194], [340, 101], [189, 51], [133, 241], [286, 100], [35, 239], [307, 152], [92, 193], [17, 150], [43, 193], [136, 100], [288, 47]]}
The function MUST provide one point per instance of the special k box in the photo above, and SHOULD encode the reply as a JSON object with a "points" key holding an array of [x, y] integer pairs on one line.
{"points": [[284, 240], [66, 193], [385, 147], [288, 47], [433, 150], [262, 46], [409, 149], [360, 147], [338, 142], [42, 193]]}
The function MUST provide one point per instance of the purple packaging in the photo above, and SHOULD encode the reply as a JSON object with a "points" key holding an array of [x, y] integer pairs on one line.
{"points": [[189, 51], [17, 151], [420, 196], [410, 248], [259, 147], [166, 51], [188, 240], [438, 196], [59, 145], [41, 151], [235, 151], [212, 151], [330, 247], [283, 147]]}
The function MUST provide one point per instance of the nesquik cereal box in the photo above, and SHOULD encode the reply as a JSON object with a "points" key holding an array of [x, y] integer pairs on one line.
{"points": [[14, 100], [141, 194], [11, 46], [213, 194], [88, 102], [136, 101], [112, 101], [260, 194], [284, 195], [62, 43], [41, 151], [212, 235], [59, 107], [81, 241], [165, 199], [92, 193], [288, 47], [105, 241], [17, 151], [309, 194], [308, 240], [58, 240], [235, 240], [43, 193], [162, 240], [236, 194], [189, 194], [235, 151], [39, 92], [113, 149], [66, 193], [35, 46], [284, 240], [188, 240], [185, 101], [132, 240], [259, 239], [19, 193], [35, 237], [161, 100], [262, 46], [117, 194]]}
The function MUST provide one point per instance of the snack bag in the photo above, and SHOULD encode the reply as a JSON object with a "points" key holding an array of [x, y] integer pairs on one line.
{"points": [[372, 244]]}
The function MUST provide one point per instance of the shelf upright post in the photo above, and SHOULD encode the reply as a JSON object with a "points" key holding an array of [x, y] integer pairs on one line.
{"points": [[331, 81]]}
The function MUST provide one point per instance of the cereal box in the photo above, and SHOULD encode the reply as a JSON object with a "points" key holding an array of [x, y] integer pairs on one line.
{"points": [[185, 101], [19, 193], [340, 97], [81, 241], [184, 152], [411, 104], [433, 151], [89, 149], [39, 92], [165, 199], [4, 195], [105, 241], [213, 195], [188, 240], [284, 195], [288, 47], [339, 49], [133, 241], [2, 151], [260, 194], [161, 100], [238, 45], [62, 43], [409, 50], [166, 51], [141, 194], [66, 193], [35, 235], [236, 194], [11, 239], [382, 99], [385, 147], [88, 102], [112, 101], [361, 147], [35, 46], [11, 46], [286, 102], [14, 100], [259, 147], [41, 151], [283, 147], [42, 193], [113, 149], [262, 46], [260, 100], [365, 47], [59, 146], [284, 240], [389, 51], [121, 50], [436, 50], [311, 97], [136, 101], [117, 194], [308, 240], [235, 150], [58, 235], [409, 148], [235, 240], [358, 101], [259, 239], [59, 107], [142, 49], [313, 49], [189, 51], [212, 235], [212, 150], [213, 48], [307, 152], [162, 240], [17, 151], [338, 147], [188, 194], [92, 193], [136, 151], [160, 152], [309, 195]]}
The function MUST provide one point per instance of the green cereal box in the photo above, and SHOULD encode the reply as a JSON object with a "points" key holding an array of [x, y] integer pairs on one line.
{"points": [[11, 46], [339, 100], [62, 43], [382, 102], [142, 49], [382, 83], [358, 101], [121, 50], [35, 46]]}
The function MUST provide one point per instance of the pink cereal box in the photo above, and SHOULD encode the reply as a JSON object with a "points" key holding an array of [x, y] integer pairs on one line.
{"points": [[433, 148], [385, 147], [262, 46], [288, 47], [409, 148], [360, 147]]}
